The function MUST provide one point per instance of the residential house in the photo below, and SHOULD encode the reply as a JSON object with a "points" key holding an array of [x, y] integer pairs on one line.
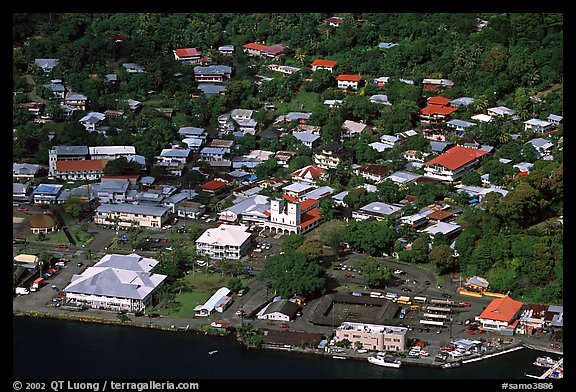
{"points": [[502, 111], [126, 214], [381, 81], [174, 155], [308, 174], [226, 49], [345, 81], [377, 210], [92, 120], [47, 65], [117, 282], [273, 51], [353, 128], [386, 45], [212, 73], [224, 242], [22, 192], [323, 64], [25, 171], [402, 178], [187, 55], [310, 128], [199, 133], [76, 101], [284, 157], [501, 315], [210, 89], [543, 147], [380, 99], [436, 84], [299, 117], [190, 210], [445, 228], [407, 134], [317, 194], [373, 336], [459, 125], [309, 139], [372, 172], [451, 165], [57, 90], [389, 140], [279, 310], [42, 223], [331, 155], [253, 209], [333, 102], [112, 152], [538, 126], [222, 143], [285, 69], [133, 68], [111, 78], [86, 170], [479, 192], [333, 21], [436, 113], [214, 186], [297, 189], [462, 101], [415, 220], [555, 119]]}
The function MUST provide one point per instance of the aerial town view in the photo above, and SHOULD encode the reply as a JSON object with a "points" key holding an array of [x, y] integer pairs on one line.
{"points": [[300, 195]]}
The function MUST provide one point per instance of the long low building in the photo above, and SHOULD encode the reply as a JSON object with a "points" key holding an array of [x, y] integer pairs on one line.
{"points": [[373, 336], [116, 283], [125, 214], [218, 302]]}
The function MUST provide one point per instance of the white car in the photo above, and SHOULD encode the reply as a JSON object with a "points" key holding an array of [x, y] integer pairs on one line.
{"points": [[398, 272]]}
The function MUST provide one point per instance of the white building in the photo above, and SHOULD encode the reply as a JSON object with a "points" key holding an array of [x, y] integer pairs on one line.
{"points": [[112, 152], [538, 126], [125, 214], [224, 242], [116, 282], [219, 301]]}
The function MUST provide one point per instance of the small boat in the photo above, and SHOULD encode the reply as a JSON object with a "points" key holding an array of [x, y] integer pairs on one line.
{"points": [[383, 360], [338, 357], [212, 352], [449, 365], [545, 362]]}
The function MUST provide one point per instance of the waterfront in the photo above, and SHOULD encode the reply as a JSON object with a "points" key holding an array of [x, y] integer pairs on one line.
{"points": [[58, 349]]}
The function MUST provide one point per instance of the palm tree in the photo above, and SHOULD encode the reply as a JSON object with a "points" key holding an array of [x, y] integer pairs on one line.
{"points": [[300, 55], [481, 104]]}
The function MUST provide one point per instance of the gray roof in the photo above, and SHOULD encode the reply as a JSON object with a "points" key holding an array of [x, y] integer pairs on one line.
{"points": [[380, 208], [254, 205], [213, 150], [298, 187], [226, 48], [341, 195], [115, 282], [134, 66], [460, 123], [46, 63], [48, 189], [386, 45], [306, 137], [76, 97], [24, 168], [55, 87], [379, 98], [71, 150], [191, 131], [210, 89], [318, 193], [554, 117], [173, 152], [283, 306], [213, 70], [132, 209], [438, 146], [462, 101], [93, 117], [132, 262], [113, 186]]}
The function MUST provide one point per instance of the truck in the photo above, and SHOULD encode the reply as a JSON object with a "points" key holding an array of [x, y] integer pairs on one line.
{"points": [[22, 290], [39, 282]]}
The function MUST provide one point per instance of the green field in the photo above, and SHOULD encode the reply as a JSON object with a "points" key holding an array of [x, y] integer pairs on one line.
{"points": [[303, 101]]}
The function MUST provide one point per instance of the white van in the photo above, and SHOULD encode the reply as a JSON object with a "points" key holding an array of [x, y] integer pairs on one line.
{"points": [[22, 291]]}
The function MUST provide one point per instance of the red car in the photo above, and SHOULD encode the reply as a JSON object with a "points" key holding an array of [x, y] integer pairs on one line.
{"points": [[465, 304], [284, 326], [22, 208], [62, 246], [470, 331]]}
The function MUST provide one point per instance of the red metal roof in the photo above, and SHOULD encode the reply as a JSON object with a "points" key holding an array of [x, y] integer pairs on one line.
{"points": [[437, 109], [306, 204], [456, 157], [81, 165], [438, 101], [213, 185], [309, 217], [311, 171], [255, 46], [501, 309], [291, 198], [351, 78], [323, 63], [274, 49], [187, 52]]}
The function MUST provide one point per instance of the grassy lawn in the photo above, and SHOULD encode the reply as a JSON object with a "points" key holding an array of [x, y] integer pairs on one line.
{"points": [[302, 102], [59, 237]]}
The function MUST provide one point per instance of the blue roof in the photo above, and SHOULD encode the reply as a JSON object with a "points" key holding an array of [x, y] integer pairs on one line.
{"points": [[48, 189]]}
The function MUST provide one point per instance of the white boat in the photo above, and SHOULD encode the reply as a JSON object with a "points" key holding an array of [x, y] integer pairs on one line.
{"points": [[449, 365], [382, 360], [545, 362], [212, 352]]}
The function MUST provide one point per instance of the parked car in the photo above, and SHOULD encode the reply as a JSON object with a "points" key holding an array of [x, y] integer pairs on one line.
{"points": [[399, 272], [22, 208], [407, 289], [122, 238], [446, 295], [465, 304], [62, 246], [427, 282], [243, 291], [284, 326]]}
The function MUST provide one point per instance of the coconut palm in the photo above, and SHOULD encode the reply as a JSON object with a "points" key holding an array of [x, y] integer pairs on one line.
{"points": [[481, 104]]}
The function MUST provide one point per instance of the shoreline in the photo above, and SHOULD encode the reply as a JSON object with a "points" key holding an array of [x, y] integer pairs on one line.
{"points": [[194, 329]]}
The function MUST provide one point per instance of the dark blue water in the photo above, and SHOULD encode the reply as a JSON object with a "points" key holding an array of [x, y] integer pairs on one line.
{"points": [[57, 349]]}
